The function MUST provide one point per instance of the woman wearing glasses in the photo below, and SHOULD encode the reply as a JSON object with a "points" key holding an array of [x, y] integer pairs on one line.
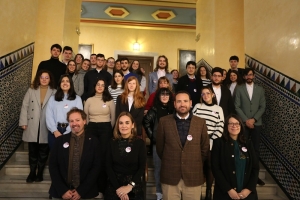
{"points": [[214, 117], [234, 163]]}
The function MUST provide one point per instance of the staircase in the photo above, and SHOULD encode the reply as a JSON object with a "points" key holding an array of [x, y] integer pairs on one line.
{"points": [[13, 181]]}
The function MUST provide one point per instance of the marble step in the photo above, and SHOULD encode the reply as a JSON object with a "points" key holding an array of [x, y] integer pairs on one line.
{"points": [[20, 168]]}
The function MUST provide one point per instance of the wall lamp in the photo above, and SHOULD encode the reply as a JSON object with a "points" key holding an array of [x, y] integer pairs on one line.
{"points": [[136, 46]]}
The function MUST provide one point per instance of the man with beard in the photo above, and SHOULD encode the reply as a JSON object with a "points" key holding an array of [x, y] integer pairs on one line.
{"points": [[250, 104], [125, 68], [182, 144], [223, 95], [74, 161], [160, 70]]}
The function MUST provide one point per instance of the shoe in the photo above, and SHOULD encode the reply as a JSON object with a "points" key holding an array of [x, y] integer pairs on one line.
{"points": [[208, 195], [159, 196], [100, 196], [260, 182], [31, 177]]}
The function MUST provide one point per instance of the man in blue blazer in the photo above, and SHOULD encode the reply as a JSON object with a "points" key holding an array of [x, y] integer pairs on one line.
{"points": [[74, 162], [160, 70], [250, 104]]}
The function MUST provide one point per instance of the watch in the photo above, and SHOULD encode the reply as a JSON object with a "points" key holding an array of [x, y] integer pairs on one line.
{"points": [[132, 184]]}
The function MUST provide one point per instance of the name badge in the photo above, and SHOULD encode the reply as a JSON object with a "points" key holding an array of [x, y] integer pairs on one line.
{"points": [[128, 149], [66, 106], [189, 138], [66, 145]]}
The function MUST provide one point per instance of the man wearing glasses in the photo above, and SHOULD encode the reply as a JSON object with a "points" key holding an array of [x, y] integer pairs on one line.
{"points": [[110, 63], [250, 104]]}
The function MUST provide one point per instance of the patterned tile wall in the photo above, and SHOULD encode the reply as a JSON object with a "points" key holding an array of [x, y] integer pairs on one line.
{"points": [[15, 77], [280, 142]]}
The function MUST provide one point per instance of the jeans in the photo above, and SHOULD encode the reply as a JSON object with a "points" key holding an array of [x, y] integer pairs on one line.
{"points": [[157, 165], [51, 137]]}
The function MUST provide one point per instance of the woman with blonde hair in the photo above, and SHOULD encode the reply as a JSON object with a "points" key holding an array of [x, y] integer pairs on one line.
{"points": [[125, 161], [132, 101]]}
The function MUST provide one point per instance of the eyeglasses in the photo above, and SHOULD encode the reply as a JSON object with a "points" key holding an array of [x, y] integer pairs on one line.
{"points": [[44, 77], [205, 93], [234, 124], [100, 85]]}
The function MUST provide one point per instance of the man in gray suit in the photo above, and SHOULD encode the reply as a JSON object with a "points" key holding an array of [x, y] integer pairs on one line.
{"points": [[160, 70], [250, 104]]}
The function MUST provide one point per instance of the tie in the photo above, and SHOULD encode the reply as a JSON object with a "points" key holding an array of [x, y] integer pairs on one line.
{"points": [[76, 163]]}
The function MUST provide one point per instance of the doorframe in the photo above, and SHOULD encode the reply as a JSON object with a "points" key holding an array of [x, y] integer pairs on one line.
{"points": [[134, 53]]}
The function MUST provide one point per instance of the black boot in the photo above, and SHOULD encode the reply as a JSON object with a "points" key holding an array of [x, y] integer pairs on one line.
{"points": [[32, 148], [42, 159], [32, 175], [208, 194]]}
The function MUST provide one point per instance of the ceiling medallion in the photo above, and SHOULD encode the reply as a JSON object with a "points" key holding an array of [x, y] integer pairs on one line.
{"points": [[163, 15], [116, 12]]}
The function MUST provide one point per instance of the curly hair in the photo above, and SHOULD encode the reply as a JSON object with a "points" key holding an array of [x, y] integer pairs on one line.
{"points": [[36, 81]]}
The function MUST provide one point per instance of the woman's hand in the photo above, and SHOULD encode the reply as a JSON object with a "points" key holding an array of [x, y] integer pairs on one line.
{"points": [[125, 197], [233, 194], [244, 193], [123, 191], [24, 127], [57, 134]]}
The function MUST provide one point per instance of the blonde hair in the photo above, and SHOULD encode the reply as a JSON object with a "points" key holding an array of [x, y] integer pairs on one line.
{"points": [[116, 132], [138, 98]]}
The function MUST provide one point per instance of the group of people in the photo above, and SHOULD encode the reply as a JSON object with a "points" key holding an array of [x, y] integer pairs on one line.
{"points": [[91, 113]]}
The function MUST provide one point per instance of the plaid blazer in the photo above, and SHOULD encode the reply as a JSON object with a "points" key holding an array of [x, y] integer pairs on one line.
{"points": [[178, 162]]}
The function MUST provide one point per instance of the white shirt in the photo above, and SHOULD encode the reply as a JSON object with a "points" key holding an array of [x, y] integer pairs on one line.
{"points": [[218, 94], [250, 90], [161, 73], [184, 117], [232, 87], [130, 101]]}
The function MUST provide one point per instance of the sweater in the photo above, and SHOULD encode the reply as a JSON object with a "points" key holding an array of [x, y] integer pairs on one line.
{"points": [[115, 92], [99, 111], [214, 117]]}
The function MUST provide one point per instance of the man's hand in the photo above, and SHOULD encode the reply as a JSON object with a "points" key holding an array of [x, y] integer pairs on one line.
{"points": [[250, 123], [75, 195], [57, 134], [67, 195]]}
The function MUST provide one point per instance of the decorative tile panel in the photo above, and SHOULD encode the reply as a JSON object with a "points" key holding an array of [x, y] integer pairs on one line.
{"points": [[15, 77]]}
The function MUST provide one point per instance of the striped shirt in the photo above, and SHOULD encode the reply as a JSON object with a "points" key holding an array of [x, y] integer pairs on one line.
{"points": [[214, 117], [115, 92], [206, 82]]}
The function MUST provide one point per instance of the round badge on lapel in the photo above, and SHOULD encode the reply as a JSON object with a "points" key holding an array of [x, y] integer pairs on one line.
{"points": [[244, 149], [189, 137], [66, 145], [128, 149]]}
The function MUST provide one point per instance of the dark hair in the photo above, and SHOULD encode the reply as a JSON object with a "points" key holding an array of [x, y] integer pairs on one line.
{"points": [[234, 58], [239, 80], [176, 71], [67, 69], [116, 132], [217, 69], [157, 102], [118, 60], [36, 82], [76, 110], [59, 95], [247, 70], [198, 73], [100, 55], [56, 46], [190, 63], [113, 82], [214, 99], [182, 92], [67, 48], [226, 136], [122, 59], [138, 71], [93, 54], [106, 95], [79, 54], [167, 63]]}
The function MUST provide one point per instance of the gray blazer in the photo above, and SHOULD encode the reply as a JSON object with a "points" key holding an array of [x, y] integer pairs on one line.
{"points": [[32, 114], [247, 108], [78, 80], [153, 81]]}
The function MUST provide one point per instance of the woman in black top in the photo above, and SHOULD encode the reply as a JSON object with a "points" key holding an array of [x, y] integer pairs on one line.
{"points": [[125, 161], [234, 163]]}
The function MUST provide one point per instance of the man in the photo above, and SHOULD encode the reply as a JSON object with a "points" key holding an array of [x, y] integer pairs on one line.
{"points": [[182, 144], [110, 63], [118, 65], [250, 104], [125, 68], [74, 161], [92, 76], [93, 59], [53, 65], [67, 54], [233, 62], [160, 70], [223, 95], [190, 83]]}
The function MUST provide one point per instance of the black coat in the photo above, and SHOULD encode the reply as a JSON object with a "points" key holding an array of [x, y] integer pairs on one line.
{"points": [[223, 168], [227, 79], [89, 167]]}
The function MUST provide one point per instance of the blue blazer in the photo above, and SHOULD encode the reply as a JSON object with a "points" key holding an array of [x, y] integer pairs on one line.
{"points": [[153, 81]]}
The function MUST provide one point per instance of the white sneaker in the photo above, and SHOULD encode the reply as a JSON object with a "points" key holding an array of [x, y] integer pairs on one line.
{"points": [[159, 196], [100, 196]]}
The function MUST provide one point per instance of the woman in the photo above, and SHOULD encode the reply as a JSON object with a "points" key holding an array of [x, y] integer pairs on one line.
{"points": [[33, 122], [78, 59], [163, 105], [234, 80], [59, 105], [100, 111], [117, 85], [85, 67], [204, 74], [234, 163], [175, 74], [224, 74], [163, 82], [132, 101], [209, 110], [125, 161], [77, 78], [135, 68]]}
